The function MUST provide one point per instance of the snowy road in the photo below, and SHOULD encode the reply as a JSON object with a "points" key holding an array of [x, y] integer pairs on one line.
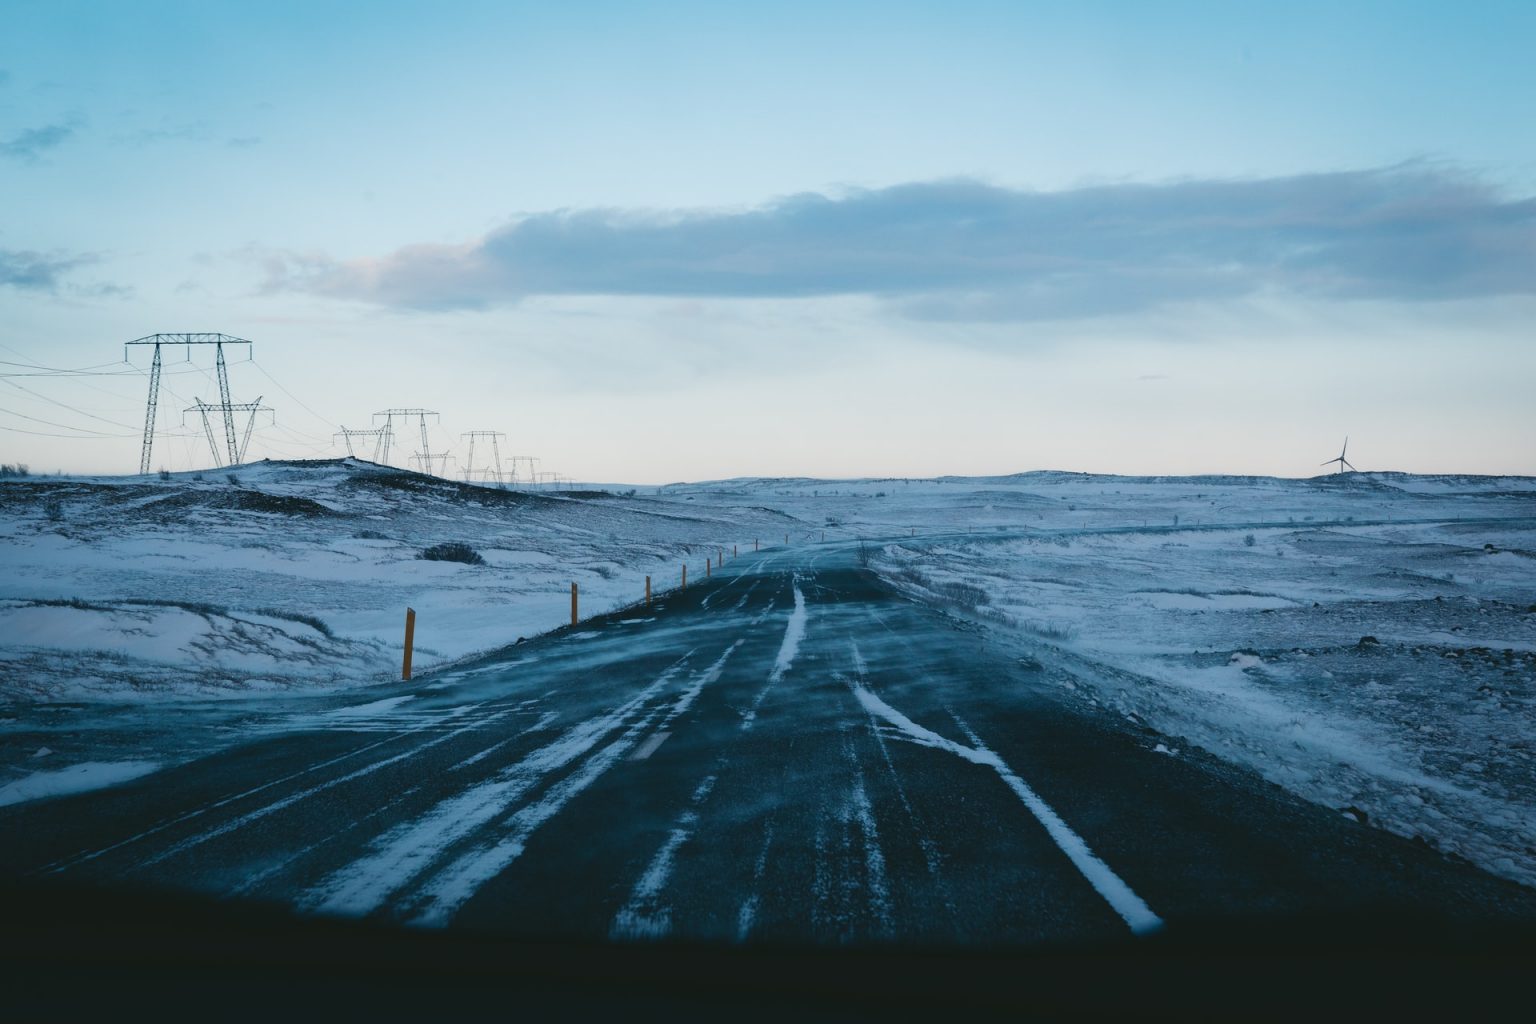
{"points": [[786, 751]]}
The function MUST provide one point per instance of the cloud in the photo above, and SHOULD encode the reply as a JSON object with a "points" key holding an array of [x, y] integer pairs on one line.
{"points": [[45, 273], [34, 141], [36, 271], [965, 250], [154, 136], [191, 132]]}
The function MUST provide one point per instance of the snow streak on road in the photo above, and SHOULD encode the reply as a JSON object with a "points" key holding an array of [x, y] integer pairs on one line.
{"points": [[409, 849], [1119, 895], [764, 758]]}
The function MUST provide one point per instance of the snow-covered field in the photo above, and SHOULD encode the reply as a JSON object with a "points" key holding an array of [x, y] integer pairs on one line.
{"points": [[1367, 641], [298, 575]]}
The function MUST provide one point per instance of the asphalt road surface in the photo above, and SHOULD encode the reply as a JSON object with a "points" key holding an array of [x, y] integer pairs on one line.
{"points": [[787, 751]]}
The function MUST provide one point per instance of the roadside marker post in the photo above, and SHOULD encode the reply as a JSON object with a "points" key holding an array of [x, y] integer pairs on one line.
{"points": [[733, 550], [720, 556], [410, 639], [685, 575], [647, 591], [706, 568], [754, 544], [573, 604], [786, 540]]}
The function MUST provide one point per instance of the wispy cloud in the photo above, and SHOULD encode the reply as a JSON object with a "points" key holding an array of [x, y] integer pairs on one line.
{"points": [[195, 132], [33, 142], [36, 271], [46, 273], [971, 251], [190, 132]]}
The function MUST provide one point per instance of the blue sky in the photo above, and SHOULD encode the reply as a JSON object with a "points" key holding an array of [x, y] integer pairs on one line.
{"points": [[869, 238]]}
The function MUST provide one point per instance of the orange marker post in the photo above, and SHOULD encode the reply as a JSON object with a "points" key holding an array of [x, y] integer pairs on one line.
{"points": [[410, 639]]}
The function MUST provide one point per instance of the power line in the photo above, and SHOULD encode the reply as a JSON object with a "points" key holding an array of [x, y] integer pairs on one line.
{"points": [[98, 367], [61, 405], [290, 394], [84, 431], [71, 437], [296, 432], [294, 437], [65, 376]]}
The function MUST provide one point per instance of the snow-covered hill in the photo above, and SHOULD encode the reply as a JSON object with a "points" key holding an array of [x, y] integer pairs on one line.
{"points": [[298, 574]]}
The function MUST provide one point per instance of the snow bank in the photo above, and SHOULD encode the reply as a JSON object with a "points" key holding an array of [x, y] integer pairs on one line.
{"points": [[78, 778]]}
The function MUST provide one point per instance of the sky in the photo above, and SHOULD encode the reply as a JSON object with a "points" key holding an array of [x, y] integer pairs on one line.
{"points": [[686, 241]]}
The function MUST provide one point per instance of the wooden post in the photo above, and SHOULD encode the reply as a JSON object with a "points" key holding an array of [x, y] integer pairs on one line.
{"points": [[647, 591], [573, 604], [410, 639]]}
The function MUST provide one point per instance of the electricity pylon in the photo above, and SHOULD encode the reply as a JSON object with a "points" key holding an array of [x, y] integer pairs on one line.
{"points": [[380, 441], [228, 408], [218, 341], [531, 461], [426, 457], [469, 463]]}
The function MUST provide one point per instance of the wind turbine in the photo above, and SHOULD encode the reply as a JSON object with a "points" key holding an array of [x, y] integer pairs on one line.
{"points": [[1341, 460]]}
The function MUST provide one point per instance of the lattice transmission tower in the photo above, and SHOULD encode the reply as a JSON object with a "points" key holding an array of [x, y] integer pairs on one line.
{"points": [[493, 471], [531, 477], [426, 458], [553, 481], [229, 408], [218, 341], [380, 437]]}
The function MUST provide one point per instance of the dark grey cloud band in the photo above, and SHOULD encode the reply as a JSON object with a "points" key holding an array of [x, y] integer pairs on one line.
{"points": [[967, 250]]}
